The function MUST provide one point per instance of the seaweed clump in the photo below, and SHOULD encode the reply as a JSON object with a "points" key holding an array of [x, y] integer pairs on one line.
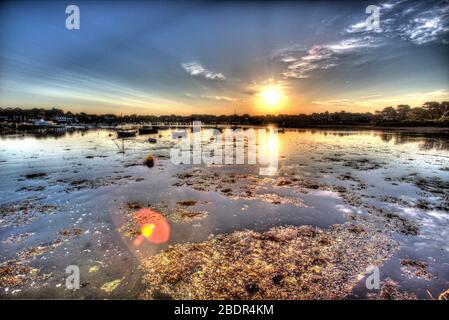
{"points": [[389, 290], [23, 212], [281, 263], [244, 186], [412, 268]]}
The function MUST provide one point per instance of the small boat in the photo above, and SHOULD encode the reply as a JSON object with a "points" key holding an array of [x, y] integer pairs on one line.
{"points": [[147, 130], [126, 133], [235, 126], [152, 140], [161, 127], [43, 124]]}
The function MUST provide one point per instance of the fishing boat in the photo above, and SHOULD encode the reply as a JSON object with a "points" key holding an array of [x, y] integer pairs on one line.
{"points": [[126, 133], [147, 130]]}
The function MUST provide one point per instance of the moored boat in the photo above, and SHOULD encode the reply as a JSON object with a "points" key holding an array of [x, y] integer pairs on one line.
{"points": [[147, 130], [161, 127], [126, 133]]}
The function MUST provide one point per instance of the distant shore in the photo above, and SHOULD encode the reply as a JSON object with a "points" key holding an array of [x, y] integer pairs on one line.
{"points": [[377, 127], [11, 129]]}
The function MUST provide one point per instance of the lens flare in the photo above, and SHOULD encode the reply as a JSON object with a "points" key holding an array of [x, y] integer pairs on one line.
{"points": [[153, 227], [147, 230]]}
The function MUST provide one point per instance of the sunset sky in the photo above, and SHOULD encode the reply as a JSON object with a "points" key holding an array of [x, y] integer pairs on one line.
{"points": [[213, 58]]}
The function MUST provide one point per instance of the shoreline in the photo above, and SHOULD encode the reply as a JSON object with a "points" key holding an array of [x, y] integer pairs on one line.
{"points": [[237, 126], [375, 127]]}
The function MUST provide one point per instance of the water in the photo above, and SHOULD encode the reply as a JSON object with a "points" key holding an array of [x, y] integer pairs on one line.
{"points": [[90, 182]]}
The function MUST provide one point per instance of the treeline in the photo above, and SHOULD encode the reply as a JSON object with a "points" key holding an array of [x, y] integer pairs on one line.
{"points": [[431, 113]]}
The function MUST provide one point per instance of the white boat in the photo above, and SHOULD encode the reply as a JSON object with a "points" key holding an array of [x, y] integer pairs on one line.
{"points": [[43, 123]]}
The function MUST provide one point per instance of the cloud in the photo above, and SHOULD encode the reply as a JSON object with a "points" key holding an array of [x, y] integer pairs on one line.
{"points": [[420, 22], [196, 69], [379, 101], [211, 97], [436, 95], [422, 30], [300, 64]]}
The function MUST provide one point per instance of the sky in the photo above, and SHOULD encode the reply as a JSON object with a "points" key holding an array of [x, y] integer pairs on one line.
{"points": [[185, 57]]}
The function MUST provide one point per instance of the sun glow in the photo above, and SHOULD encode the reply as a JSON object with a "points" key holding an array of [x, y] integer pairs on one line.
{"points": [[270, 98]]}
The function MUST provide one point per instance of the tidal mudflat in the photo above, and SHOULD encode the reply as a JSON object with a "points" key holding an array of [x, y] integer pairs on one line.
{"points": [[340, 202]]}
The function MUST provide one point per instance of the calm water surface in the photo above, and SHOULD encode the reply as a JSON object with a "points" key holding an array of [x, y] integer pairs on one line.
{"points": [[375, 161]]}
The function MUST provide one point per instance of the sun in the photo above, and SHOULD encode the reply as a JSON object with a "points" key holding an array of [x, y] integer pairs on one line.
{"points": [[271, 96]]}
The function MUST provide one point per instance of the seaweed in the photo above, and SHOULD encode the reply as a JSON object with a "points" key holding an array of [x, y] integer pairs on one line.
{"points": [[281, 263]]}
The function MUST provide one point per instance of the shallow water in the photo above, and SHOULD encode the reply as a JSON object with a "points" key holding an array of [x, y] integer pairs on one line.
{"points": [[90, 181]]}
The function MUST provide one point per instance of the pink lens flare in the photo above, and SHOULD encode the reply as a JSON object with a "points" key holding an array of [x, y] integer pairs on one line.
{"points": [[153, 227]]}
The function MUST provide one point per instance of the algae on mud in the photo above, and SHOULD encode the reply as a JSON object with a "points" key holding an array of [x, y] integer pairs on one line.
{"points": [[18, 272]]}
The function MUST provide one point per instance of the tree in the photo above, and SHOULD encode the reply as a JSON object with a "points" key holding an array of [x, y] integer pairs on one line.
{"points": [[435, 109], [402, 111], [388, 114], [418, 114], [445, 107]]}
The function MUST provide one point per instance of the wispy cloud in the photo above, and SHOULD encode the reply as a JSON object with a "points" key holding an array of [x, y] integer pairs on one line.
{"points": [[421, 22], [43, 83], [211, 97], [418, 22], [300, 64], [436, 95], [196, 69]]}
